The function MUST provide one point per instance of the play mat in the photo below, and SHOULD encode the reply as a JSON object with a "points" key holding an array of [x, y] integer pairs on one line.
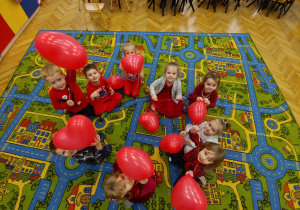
{"points": [[261, 169]]}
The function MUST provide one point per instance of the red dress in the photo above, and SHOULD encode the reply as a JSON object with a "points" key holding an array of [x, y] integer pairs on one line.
{"points": [[165, 104]]}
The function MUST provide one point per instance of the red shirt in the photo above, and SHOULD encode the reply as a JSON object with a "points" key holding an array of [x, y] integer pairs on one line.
{"points": [[71, 92], [199, 92], [191, 161], [139, 192], [102, 88]]}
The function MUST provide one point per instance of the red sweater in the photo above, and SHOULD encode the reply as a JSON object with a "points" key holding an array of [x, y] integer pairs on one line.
{"points": [[71, 92], [102, 88], [139, 192], [199, 91]]}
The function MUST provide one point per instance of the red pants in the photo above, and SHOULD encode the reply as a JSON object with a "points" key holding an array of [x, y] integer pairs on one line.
{"points": [[132, 87], [107, 104]]}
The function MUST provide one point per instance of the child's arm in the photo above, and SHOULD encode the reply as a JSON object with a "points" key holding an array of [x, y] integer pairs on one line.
{"points": [[141, 74], [97, 143], [154, 85], [124, 73], [56, 103], [196, 93], [178, 91], [213, 99]]}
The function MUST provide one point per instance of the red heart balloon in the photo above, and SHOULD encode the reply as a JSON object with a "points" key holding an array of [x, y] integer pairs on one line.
{"points": [[150, 121], [197, 112], [78, 134], [172, 143], [115, 82], [135, 163], [187, 195], [133, 63], [61, 50]]}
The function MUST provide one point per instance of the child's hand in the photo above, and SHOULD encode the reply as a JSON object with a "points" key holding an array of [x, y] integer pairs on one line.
{"points": [[199, 99], [187, 140], [111, 91], [178, 98], [190, 173], [143, 181], [70, 103], [154, 97], [94, 95], [183, 132], [97, 141], [195, 129], [206, 101], [121, 67]]}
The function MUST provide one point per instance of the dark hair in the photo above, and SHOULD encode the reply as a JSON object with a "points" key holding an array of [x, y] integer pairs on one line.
{"points": [[52, 147], [88, 67], [214, 75]]}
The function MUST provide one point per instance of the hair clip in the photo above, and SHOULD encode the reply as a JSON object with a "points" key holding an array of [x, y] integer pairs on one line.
{"points": [[112, 199], [127, 42]]}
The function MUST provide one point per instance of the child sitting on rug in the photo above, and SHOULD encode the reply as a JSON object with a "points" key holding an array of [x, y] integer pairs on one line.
{"points": [[207, 131], [205, 91], [100, 95], [119, 188], [91, 155], [166, 94], [65, 93], [133, 82], [202, 159]]}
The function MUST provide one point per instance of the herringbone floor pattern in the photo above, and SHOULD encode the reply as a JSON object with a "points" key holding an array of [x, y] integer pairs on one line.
{"points": [[278, 41]]}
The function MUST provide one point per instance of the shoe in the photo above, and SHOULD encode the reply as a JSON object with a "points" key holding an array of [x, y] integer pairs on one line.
{"points": [[102, 136], [65, 111], [170, 159]]}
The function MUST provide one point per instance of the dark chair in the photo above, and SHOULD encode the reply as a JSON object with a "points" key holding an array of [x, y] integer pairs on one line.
{"points": [[282, 5], [182, 4]]}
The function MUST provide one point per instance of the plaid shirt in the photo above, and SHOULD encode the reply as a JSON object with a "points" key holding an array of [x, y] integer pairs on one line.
{"points": [[88, 155], [191, 160]]}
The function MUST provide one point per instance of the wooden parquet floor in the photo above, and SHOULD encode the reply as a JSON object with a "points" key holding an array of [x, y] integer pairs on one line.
{"points": [[278, 40]]}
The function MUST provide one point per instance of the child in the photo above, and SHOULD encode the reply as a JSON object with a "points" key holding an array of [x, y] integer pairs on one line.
{"points": [[119, 187], [133, 82], [92, 155], [205, 91], [202, 159], [208, 131], [65, 93], [101, 97], [166, 94]]}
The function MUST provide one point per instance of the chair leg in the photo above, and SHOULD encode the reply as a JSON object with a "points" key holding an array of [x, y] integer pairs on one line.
{"points": [[191, 4], [85, 21], [201, 3], [127, 6], [291, 2], [104, 21], [269, 9]]}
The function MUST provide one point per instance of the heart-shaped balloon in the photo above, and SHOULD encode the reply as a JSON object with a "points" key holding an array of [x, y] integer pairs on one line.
{"points": [[150, 121], [172, 143], [197, 112], [135, 163], [115, 82], [78, 134], [133, 63], [187, 195], [61, 50]]}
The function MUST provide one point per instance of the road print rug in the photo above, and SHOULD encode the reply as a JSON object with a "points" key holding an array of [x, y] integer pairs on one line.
{"points": [[261, 169]]}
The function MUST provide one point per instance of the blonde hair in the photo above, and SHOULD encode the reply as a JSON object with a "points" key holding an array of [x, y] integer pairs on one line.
{"points": [[128, 45], [114, 190], [49, 70], [213, 75], [173, 64], [219, 155], [224, 124]]}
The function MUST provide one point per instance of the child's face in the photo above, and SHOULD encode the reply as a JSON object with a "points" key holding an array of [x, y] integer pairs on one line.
{"points": [[93, 75], [67, 153], [127, 183], [195, 129], [206, 157], [171, 74], [210, 85], [57, 81], [129, 52], [211, 128]]}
